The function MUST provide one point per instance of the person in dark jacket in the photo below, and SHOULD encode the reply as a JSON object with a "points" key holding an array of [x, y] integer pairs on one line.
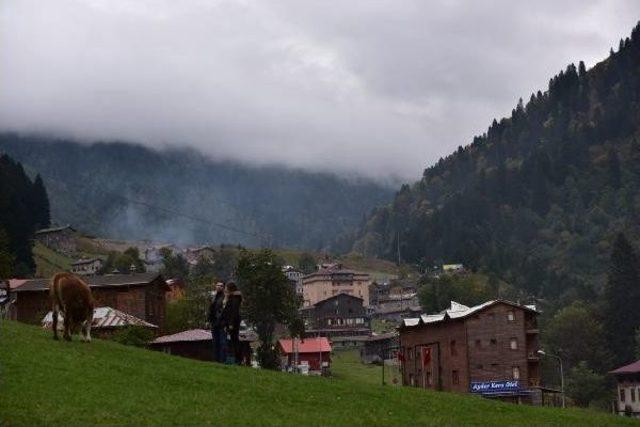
{"points": [[218, 334], [231, 319]]}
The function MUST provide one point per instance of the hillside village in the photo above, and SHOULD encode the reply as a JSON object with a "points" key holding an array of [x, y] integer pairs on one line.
{"points": [[490, 349]]}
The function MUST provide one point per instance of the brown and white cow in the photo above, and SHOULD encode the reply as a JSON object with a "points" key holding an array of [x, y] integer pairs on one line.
{"points": [[71, 297]]}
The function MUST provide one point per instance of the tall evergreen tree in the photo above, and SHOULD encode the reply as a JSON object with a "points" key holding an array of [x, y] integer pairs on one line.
{"points": [[622, 299]]}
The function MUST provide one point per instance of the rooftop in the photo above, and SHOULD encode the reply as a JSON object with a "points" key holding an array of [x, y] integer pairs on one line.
{"points": [[192, 335], [104, 317], [458, 311], [86, 261], [307, 345], [55, 229], [632, 368], [93, 281]]}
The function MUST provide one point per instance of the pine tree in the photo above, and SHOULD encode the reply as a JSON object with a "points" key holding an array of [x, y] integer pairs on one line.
{"points": [[6, 258], [622, 299]]}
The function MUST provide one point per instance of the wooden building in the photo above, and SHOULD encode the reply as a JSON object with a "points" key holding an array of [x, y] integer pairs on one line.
{"points": [[380, 347], [106, 322], [628, 389], [198, 344], [86, 267], [332, 280], [60, 239], [141, 295], [337, 316], [312, 352], [489, 349]]}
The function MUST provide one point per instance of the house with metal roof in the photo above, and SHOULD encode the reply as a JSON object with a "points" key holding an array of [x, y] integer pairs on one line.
{"points": [[312, 353], [141, 295], [628, 389], [490, 349], [106, 322]]}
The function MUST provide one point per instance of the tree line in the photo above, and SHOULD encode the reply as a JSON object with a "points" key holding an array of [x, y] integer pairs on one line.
{"points": [[24, 208]]}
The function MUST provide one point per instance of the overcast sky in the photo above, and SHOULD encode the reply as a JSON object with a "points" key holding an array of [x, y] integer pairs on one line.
{"points": [[375, 87]]}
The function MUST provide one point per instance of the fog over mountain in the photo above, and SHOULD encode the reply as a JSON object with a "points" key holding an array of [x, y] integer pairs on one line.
{"points": [[355, 86]]}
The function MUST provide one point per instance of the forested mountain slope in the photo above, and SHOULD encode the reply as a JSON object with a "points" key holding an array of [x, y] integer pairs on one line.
{"points": [[122, 190], [539, 197]]}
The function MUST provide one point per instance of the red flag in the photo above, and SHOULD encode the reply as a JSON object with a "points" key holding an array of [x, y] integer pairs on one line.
{"points": [[426, 356], [400, 357]]}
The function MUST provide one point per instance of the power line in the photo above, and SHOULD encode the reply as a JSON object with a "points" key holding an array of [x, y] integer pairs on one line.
{"points": [[263, 238]]}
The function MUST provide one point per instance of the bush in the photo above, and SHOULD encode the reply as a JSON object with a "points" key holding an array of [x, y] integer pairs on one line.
{"points": [[137, 336]]}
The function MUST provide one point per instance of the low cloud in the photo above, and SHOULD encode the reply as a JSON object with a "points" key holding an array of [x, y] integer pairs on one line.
{"points": [[375, 88]]}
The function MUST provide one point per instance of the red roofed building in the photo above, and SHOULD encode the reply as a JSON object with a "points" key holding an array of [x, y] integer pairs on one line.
{"points": [[313, 352], [628, 397]]}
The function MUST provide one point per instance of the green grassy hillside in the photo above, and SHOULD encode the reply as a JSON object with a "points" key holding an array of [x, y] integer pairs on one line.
{"points": [[49, 382]]}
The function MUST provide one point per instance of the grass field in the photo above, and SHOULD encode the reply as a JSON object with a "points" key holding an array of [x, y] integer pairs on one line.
{"points": [[48, 261], [47, 382]]}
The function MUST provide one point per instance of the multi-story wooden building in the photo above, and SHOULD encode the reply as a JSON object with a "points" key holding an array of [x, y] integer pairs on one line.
{"points": [[489, 349], [60, 239], [337, 316], [141, 295], [333, 280]]}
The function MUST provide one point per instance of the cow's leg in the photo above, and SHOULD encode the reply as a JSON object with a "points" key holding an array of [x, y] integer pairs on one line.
{"points": [[86, 330], [67, 328], [55, 323]]}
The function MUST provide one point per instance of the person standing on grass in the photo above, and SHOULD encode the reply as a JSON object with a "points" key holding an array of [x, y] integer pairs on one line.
{"points": [[218, 333], [231, 319]]}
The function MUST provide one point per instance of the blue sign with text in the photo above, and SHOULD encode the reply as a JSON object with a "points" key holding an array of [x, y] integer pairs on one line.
{"points": [[495, 386]]}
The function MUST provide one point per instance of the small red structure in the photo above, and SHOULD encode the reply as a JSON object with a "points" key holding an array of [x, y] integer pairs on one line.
{"points": [[314, 352]]}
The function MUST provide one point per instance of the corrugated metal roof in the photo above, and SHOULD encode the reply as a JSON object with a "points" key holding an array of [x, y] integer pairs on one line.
{"points": [[631, 368], [95, 281], [200, 335], [457, 311], [103, 317], [308, 345]]}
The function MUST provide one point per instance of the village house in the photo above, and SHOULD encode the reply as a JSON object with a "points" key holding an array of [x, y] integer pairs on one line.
{"points": [[141, 295], [628, 389], [295, 277], [106, 322], [60, 239], [332, 280], [381, 347], [198, 344], [314, 354], [342, 318], [86, 267], [489, 349]]}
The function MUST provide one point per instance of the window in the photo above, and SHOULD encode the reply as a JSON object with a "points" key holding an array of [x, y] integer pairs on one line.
{"points": [[454, 349], [633, 394], [513, 343], [622, 393], [455, 377], [516, 372], [511, 315]]}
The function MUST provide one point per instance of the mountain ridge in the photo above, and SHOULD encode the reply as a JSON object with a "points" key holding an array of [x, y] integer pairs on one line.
{"points": [[125, 190], [538, 198]]}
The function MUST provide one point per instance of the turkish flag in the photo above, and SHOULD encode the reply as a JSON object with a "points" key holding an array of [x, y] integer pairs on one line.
{"points": [[426, 356], [400, 357]]}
